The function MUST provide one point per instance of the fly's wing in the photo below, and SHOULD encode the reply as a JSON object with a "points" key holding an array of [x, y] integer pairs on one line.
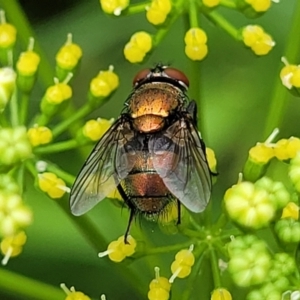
{"points": [[107, 165], [178, 156]]}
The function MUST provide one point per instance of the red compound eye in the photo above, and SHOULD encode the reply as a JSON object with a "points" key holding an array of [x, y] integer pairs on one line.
{"points": [[140, 76], [177, 75]]}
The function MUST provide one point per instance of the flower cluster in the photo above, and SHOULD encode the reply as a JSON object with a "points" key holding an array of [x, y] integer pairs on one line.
{"points": [[163, 13]]}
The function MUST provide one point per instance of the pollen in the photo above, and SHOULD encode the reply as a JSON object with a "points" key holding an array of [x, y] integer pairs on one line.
{"points": [[39, 135], [104, 83], [139, 45], [12, 246], [52, 185], [195, 44], [255, 37]]}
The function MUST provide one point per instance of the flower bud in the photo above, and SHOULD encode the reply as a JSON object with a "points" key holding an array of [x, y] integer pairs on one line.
{"points": [[159, 287], [8, 33], [72, 294], [291, 210], [288, 230], [14, 145], [220, 294], [7, 86], [94, 129], [52, 185], [8, 184], [158, 11], [249, 206]]}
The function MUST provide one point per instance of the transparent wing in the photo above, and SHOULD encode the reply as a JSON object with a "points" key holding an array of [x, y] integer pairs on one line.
{"points": [[179, 158], [107, 165]]}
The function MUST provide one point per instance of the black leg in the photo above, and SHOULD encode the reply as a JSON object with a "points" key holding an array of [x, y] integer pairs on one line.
{"points": [[132, 213], [179, 212]]}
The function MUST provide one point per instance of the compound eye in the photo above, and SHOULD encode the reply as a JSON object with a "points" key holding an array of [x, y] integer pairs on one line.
{"points": [[177, 75], [140, 76]]}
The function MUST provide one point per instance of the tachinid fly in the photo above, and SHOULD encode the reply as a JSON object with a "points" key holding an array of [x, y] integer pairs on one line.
{"points": [[153, 153]]}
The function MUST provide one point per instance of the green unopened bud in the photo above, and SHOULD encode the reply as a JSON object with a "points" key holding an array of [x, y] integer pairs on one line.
{"points": [[7, 85], [294, 172], [14, 145], [277, 191], [284, 264], [8, 184], [249, 268], [249, 206], [288, 230]]}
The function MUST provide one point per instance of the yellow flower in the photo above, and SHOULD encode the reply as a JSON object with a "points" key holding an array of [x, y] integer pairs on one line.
{"points": [[158, 11], [52, 185], [139, 45], [159, 288], [12, 246], [211, 3], [114, 6], [94, 129], [195, 44], [39, 135], [220, 294], [261, 153], [260, 42], [104, 83], [118, 250], [291, 210], [259, 5], [28, 63], [72, 294], [58, 93], [181, 266], [68, 55], [8, 33], [290, 75]]}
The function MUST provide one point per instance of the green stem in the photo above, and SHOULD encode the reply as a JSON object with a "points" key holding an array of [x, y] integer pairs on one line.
{"points": [[280, 95], [64, 125], [24, 107], [215, 268], [57, 147], [193, 14], [224, 24], [23, 287], [16, 16], [137, 8], [14, 117], [220, 223], [228, 4]]}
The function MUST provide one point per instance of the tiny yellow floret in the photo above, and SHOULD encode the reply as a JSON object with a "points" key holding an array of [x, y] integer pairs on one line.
{"points": [[290, 76], [7, 85], [28, 63], [12, 246], [211, 3], [259, 5], [58, 93], [158, 11], [72, 294], [291, 210], [114, 6], [8, 35], [52, 185], [39, 135], [220, 294], [104, 83], [195, 43], [260, 42], [139, 45], [261, 153], [94, 129]]}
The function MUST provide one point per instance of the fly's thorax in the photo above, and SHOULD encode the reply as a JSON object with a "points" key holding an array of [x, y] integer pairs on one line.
{"points": [[152, 103]]}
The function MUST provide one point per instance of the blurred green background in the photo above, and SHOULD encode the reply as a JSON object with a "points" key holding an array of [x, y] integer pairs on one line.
{"points": [[236, 91]]}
